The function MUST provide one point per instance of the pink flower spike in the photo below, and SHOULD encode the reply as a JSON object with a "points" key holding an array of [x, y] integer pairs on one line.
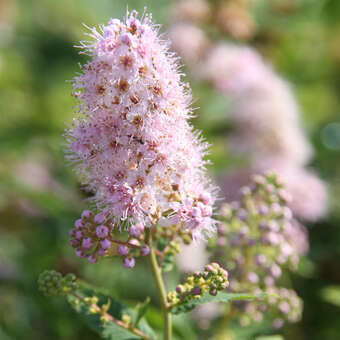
{"points": [[132, 142], [205, 198]]}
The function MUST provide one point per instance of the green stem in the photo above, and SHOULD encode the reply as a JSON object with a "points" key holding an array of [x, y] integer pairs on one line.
{"points": [[157, 275]]}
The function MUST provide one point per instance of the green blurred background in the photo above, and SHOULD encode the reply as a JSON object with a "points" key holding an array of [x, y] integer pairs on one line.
{"points": [[40, 196]]}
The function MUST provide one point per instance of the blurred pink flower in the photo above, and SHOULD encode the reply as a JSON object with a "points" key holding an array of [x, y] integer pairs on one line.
{"points": [[267, 126], [233, 69], [191, 10], [189, 41], [263, 108], [309, 193]]}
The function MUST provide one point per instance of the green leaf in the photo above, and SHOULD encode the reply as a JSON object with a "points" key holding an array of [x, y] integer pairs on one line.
{"points": [[183, 326], [141, 310], [145, 328], [220, 297], [117, 309], [109, 330]]}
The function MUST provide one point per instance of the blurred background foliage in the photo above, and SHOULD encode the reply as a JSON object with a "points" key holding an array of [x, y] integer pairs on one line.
{"points": [[39, 194]]}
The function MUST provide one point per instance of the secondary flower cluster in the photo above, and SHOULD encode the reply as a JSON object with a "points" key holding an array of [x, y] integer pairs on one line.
{"points": [[132, 143], [256, 232], [282, 305], [213, 279], [52, 282], [257, 239], [288, 305], [93, 237]]}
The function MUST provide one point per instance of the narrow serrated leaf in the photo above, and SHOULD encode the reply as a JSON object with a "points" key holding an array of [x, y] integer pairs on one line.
{"points": [[141, 310], [221, 297], [111, 331]]}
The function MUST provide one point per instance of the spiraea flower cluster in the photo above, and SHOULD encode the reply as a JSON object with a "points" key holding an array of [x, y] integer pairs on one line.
{"points": [[94, 236], [52, 282], [213, 279], [257, 240], [132, 143]]}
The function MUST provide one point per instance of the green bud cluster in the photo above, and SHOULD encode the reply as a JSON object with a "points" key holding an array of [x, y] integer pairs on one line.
{"points": [[213, 279], [52, 282]]}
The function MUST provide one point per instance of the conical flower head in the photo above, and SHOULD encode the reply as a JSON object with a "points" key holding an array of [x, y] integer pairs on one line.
{"points": [[132, 142]]}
